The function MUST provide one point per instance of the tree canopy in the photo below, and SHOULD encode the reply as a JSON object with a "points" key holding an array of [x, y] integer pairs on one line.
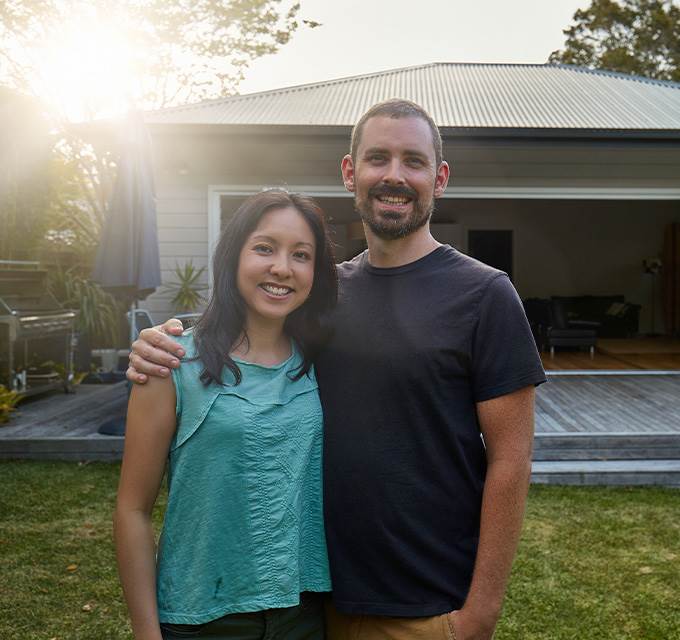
{"points": [[640, 37], [179, 50]]}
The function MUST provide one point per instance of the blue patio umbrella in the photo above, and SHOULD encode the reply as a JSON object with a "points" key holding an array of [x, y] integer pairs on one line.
{"points": [[127, 262]]}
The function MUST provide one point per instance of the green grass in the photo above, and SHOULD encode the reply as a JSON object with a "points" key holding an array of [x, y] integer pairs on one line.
{"points": [[597, 563], [59, 578], [594, 563]]}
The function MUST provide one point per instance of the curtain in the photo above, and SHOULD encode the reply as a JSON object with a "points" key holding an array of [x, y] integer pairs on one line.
{"points": [[671, 279]]}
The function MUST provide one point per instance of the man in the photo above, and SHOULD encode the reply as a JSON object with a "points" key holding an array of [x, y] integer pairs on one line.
{"points": [[427, 388]]}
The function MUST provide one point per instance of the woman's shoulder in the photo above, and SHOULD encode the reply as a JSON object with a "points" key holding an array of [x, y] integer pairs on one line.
{"points": [[190, 364], [188, 342]]}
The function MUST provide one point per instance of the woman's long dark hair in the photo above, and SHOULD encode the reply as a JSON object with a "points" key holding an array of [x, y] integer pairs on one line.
{"points": [[223, 322]]}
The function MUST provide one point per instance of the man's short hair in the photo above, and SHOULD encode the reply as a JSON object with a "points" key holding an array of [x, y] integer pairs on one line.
{"points": [[396, 108]]}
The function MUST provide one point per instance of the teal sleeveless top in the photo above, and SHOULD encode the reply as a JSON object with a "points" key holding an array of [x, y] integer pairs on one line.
{"points": [[243, 528]]}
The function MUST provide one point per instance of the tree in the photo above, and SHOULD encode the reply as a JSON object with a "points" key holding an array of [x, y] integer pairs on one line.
{"points": [[46, 188], [25, 148], [640, 37], [178, 51]]}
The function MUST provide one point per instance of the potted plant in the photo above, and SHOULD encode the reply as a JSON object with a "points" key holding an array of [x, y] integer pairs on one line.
{"points": [[99, 314], [187, 290]]}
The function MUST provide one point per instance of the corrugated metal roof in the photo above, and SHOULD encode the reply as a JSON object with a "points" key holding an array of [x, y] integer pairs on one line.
{"points": [[459, 95]]}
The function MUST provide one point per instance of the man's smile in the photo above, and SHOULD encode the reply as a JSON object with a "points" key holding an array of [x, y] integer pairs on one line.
{"points": [[393, 200]]}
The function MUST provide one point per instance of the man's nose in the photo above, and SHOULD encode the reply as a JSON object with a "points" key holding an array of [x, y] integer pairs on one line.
{"points": [[394, 173]]}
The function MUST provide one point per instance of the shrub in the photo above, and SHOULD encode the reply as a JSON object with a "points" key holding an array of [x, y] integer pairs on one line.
{"points": [[8, 402]]}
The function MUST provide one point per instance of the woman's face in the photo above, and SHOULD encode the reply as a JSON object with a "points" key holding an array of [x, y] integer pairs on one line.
{"points": [[276, 266]]}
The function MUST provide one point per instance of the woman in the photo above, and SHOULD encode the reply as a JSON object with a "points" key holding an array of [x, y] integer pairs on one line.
{"points": [[242, 549]]}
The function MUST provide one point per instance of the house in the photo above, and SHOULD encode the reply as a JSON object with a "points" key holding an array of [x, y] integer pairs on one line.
{"points": [[565, 177]]}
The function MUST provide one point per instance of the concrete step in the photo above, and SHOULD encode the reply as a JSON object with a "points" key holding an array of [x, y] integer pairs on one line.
{"points": [[607, 472], [606, 446]]}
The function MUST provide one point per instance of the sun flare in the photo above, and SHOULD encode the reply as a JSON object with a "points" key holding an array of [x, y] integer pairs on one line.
{"points": [[86, 68]]}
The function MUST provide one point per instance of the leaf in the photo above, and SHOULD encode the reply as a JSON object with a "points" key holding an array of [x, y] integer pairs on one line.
{"points": [[187, 290]]}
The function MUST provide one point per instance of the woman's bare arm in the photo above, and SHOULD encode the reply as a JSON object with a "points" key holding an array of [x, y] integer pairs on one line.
{"points": [[149, 431]]}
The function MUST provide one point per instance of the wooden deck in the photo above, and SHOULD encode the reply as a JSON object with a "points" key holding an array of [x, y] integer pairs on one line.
{"points": [[570, 404], [609, 404], [64, 426], [590, 429], [608, 429]]}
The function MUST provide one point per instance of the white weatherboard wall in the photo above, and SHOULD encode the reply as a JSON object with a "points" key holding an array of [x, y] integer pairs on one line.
{"points": [[182, 235]]}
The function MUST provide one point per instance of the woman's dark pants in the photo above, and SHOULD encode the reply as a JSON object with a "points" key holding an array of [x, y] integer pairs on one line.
{"points": [[304, 622]]}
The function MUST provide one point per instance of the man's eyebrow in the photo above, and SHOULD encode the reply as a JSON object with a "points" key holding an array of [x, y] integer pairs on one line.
{"points": [[415, 152], [406, 152], [375, 150]]}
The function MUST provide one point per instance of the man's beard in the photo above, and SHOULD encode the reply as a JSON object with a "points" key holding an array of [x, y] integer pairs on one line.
{"points": [[389, 226]]}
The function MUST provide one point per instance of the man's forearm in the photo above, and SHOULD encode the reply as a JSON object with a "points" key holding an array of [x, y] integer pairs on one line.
{"points": [[502, 514]]}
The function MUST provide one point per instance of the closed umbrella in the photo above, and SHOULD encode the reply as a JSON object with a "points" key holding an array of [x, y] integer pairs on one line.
{"points": [[127, 262]]}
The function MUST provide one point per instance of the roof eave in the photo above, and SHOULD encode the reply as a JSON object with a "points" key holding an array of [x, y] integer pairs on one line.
{"points": [[447, 132], [247, 129], [550, 133], [344, 131]]}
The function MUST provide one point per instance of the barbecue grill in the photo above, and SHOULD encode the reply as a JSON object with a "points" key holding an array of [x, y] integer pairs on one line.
{"points": [[36, 335]]}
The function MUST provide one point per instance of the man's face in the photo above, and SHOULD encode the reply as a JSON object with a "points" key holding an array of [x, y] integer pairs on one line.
{"points": [[394, 177]]}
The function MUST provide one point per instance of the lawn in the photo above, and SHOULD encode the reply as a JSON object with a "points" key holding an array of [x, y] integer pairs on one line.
{"points": [[594, 563]]}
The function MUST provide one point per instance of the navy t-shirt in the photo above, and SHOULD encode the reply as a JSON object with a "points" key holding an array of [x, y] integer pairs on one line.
{"points": [[414, 348]]}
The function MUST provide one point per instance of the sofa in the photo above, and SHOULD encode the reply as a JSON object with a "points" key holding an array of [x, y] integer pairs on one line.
{"points": [[582, 318], [616, 317]]}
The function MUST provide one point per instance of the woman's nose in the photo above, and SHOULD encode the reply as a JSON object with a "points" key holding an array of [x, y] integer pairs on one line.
{"points": [[280, 266]]}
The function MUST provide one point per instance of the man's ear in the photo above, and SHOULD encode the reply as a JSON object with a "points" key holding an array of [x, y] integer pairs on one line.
{"points": [[347, 169], [442, 179]]}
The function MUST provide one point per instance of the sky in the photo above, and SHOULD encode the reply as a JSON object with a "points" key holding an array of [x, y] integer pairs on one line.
{"points": [[364, 36]]}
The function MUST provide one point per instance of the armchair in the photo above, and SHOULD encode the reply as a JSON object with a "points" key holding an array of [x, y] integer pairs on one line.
{"points": [[564, 332]]}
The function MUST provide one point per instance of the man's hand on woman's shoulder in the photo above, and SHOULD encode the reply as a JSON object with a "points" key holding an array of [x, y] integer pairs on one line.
{"points": [[154, 353]]}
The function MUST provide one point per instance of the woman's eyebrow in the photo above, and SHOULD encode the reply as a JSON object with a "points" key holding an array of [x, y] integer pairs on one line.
{"points": [[261, 237]]}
